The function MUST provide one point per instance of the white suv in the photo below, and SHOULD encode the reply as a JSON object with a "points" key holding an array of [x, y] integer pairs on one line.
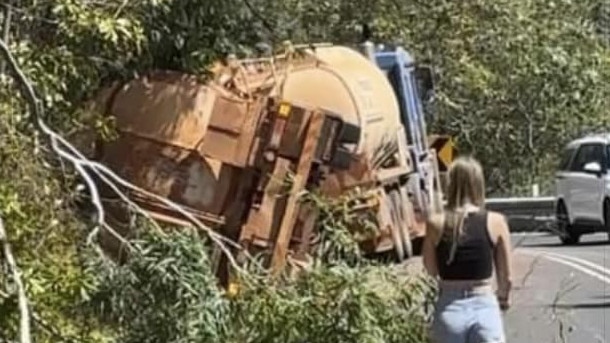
{"points": [[583, 188]]}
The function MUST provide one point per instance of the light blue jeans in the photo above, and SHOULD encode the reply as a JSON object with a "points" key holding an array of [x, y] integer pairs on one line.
{"points": [[464, 317]]}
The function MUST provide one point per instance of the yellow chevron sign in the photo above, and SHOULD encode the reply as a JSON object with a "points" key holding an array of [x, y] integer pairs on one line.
{"points": [[445, 150]]}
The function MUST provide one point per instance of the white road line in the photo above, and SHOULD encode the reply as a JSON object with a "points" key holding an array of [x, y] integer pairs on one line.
{"points": [[530, 234], [595, 266], [565, 260], [587, 271]]}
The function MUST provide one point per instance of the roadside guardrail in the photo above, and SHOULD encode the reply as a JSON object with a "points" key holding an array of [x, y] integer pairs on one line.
{"points": [[526, 214]]}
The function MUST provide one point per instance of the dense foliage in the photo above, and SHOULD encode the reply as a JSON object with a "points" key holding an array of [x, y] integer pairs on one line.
{"points": [[167, 294], [526, 75]]}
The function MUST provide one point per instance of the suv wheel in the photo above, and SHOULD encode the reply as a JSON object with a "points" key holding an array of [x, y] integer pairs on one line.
{"points": [[566, 230], [607, 216]]}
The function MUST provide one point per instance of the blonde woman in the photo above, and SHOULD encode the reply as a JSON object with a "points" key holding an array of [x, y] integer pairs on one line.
{"points": [[461, 248]]}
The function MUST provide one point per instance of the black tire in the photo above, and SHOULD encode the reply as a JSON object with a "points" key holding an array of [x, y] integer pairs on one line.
{"points": [[397, 201], [607, 217], [567, 234], [389, 212]]}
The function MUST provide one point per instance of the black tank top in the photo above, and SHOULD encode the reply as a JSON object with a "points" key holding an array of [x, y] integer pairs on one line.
{"points": [[474, 254]]}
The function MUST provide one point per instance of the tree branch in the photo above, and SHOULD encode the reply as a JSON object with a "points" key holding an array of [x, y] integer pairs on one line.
{"points": [[43, 323], [6, 31], [67, 151], [24, 315]]}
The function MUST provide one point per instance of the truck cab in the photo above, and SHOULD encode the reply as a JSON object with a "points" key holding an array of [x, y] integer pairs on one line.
{"points": [[405, 77], [412, 85]]}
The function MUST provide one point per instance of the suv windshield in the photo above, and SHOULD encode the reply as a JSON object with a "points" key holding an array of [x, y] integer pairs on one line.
{"points": [[566, 157]]}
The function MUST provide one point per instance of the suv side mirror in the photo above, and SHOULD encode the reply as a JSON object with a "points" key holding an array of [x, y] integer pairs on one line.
{"points": [[593, 168]]}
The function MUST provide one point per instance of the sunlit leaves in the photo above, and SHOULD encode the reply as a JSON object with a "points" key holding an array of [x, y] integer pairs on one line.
{"points": [[526, 75], [168, 294]]}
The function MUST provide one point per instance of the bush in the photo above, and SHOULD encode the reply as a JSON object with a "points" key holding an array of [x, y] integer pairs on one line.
{"points": [[530, 74], [167, 294]]}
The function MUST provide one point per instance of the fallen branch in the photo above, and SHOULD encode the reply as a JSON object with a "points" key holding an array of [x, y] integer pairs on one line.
{"points": [[24, 315], [68, 152], [43, 324], [6, 30]]}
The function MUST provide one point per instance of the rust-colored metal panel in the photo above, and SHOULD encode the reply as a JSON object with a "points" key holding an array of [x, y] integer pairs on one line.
{"points": [[291, 143], [232, 130], [267, 214], [359, 174], [180, 175], [181, 140], [171, 108], [303, 168], [228, 114]]}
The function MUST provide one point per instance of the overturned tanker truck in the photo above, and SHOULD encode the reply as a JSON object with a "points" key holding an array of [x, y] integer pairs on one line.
{"points": [[326, 117]]}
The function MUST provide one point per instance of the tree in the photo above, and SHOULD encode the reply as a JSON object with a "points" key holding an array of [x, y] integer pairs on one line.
{"points": [[525, 75]]}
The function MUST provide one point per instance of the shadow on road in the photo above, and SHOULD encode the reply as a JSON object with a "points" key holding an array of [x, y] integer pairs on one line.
{"points": [[605, 296], [581, 306], [560, 245]]}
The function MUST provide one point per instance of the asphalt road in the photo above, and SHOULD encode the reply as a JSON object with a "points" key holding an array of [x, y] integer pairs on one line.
{"points": [[562, 293]]}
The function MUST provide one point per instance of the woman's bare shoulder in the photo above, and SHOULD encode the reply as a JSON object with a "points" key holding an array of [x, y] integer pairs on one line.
{"points": [[497, 221], [496, 216]]}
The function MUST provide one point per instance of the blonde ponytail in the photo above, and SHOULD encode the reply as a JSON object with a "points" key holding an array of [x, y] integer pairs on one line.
{"points": [[453, 228], [466, 187]]}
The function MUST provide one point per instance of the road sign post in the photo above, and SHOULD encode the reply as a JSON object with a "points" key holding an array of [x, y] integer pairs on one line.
{"points": [[445, 154]]}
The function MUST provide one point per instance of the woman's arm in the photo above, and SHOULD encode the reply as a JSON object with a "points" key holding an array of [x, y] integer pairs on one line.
{"points": [[502, 258], [429, 246]]}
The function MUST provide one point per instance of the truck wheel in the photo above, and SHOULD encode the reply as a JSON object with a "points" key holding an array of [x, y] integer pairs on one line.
{"points": [[389, 217], [566, 230], [398, 203]]}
